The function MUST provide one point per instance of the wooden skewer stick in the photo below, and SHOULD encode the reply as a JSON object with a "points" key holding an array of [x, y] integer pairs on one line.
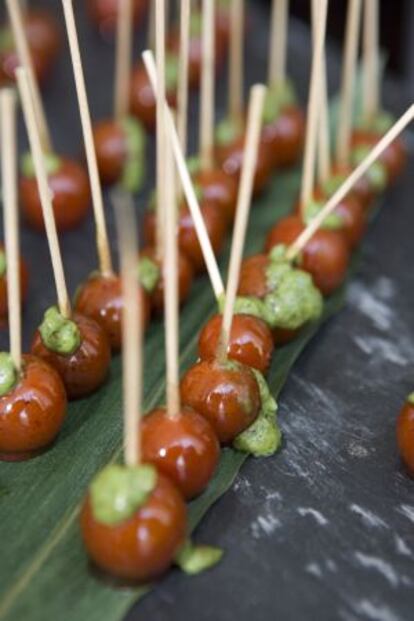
{"points": [[102, 241], [236, 63], [324, 146], [313, 108], [353, 26], [11, 226], [371, 59], [132, 325], [15, 12], [207, 86], [160, 13], [123, 58], [182, 91], [244, 199], [190, 195], [170, 271], [23, 82], [278, 42], [348, 184]]}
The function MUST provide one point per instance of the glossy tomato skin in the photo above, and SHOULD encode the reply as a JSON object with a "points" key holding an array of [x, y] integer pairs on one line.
{"points": [[394, 158], [71, 197], [184, 448], [111, 150], [24, 284], [142, 547], [87, 368], [250, 341], [228, 398], [142, 98], [185, 279], [230, 158], [104, 13], [100, 298], [220, 189], [325, 256], [285, 137], [32, 413], [216, 226], [405, 436]]}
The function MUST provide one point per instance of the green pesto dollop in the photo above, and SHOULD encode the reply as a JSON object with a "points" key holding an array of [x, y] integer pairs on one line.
{"points": [[6, 40], [196, 24], [58, 333], [171, 71], [332, 184], [333, 222], [250, 305], [148, 274], [3, 263], [134, 166], [117, 492], [376, 173], [278, 97], [410, 398], [8, 373], [380, 123], [193, 559], [52, 164], [294, 300], [228, 130], [193, 164], [263, 437]]}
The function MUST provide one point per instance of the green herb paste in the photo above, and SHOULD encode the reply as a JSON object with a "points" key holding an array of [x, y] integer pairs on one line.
{"points": [[59, 334], [8, 373], [148, 274]]}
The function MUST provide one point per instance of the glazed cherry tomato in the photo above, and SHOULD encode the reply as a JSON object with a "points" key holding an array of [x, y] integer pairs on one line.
{"points": [[69, 185], [31, 413], [142, 98], [188, 242], [43, 38], [325, 256], [250, 341], [405, 434], [104, 13], [229, 398], [218, 188], [285, 137], [100, 298], [394, 158], [143, 546], [111, 150], [24, 283], [185, 279], [85, 370], [184, 448]]}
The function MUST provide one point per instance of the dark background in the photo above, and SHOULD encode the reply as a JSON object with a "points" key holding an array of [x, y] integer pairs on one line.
{"points": [[325, 530]]}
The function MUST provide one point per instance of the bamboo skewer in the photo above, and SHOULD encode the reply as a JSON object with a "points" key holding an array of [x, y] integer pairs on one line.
{"points": [[123, 58], [236, 59], [313, 108], [348, 184], [190, 195], [182, 91], [353, 26], [23, 82], [160, 13], [15, 13], [278, 42], [132, 326], [207, 94], [371, 60], [254, 125], [10, 215], [102, 241]]}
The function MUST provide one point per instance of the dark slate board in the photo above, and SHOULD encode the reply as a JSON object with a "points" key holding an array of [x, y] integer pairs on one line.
{"points": [[325, 530]]}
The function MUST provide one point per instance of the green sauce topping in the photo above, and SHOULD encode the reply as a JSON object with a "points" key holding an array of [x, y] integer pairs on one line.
{"points": [[194, 559], [250, 305], [149, 274], [3, 263], [52, 163], [59, 334], [6, 40], [333, 222], [134, 166], [196, 24], [117, 492], [193, 164], [278, 97], [410, 398], [380, 123], [228, 130], [263, 437], [171, 71], [377, 173], [334, 182], [8, 373]]}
